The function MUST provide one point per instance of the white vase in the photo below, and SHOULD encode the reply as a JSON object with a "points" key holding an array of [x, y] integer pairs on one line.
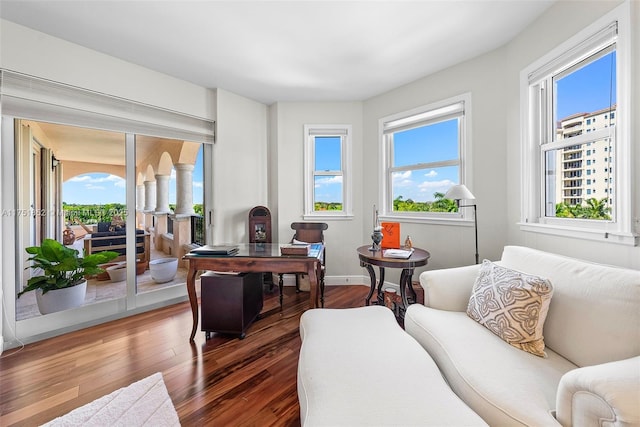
{"points": [[163, 269], [61, 299]]}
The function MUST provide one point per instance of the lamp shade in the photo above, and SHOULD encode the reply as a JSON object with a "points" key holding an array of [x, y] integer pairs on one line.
{"points": [[459, 192]]}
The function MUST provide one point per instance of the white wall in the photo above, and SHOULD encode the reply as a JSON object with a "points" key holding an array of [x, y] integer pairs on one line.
{"points": [[239, 165], [38, 54], [287, 120], [483, 77], [558, 24]]}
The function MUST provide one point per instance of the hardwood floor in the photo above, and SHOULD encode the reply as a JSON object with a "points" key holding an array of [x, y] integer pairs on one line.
{"points": [[223, 381]]}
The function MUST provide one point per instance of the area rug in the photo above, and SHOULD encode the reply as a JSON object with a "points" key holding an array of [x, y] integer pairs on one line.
{"points": [[143, 403]]}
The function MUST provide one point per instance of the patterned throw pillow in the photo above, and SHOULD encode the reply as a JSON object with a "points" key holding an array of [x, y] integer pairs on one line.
{"points": [[511, 304]]}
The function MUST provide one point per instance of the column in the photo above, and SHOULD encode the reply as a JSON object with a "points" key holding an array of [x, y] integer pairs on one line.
{"points": [[184, 188], [150, 195], [162, 193], [140, 216], [140, 197]]}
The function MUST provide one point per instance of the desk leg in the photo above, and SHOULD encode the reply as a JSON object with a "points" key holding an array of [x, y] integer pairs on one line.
{"points": [[372, 276], [320, 277], [193, 300], [313, 285]]}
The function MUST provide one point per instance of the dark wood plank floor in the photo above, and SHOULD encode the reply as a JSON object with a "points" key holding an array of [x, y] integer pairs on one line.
{"points": [[223, 381]]}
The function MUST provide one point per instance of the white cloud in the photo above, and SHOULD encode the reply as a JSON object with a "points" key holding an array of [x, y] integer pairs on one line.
{"points": [[198, 184], [94, 187], [436, 184], [328, 181], [402, 179], [431, 174], [93, 178], [401, 175]]}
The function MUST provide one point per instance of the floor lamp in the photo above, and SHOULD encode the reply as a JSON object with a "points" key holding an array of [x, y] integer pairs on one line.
{"points": [[461, 192]]}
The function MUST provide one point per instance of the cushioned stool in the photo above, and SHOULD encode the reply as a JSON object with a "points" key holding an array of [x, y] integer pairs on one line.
{"points": [[357, 367]]}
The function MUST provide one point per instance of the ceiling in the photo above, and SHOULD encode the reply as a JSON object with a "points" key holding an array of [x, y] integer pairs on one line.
{"points": [[297, 50]]}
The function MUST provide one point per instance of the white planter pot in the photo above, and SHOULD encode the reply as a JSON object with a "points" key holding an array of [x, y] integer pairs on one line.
{"points": [[163, 269], [61, 299], [118, 272]]}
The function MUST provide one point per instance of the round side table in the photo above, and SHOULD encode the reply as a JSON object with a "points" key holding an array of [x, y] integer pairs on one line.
{"points": [[369, 258]]}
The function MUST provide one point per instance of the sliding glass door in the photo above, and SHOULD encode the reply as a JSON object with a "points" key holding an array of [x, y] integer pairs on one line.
{"points": [[95, 190]]}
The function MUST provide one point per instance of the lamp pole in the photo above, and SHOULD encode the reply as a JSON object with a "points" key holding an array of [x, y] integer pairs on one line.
{"points": [[475, 225], [459, 192]]}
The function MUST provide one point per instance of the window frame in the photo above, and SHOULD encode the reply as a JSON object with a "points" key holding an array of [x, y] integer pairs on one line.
{"points": [[344, 131], [427, 114], [536, 130]]}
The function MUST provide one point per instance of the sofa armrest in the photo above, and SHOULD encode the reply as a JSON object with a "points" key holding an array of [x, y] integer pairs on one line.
{"points": [[449, 288], [606, 394]]}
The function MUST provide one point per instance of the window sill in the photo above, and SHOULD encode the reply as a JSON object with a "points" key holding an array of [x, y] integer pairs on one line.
{"points": [[626, 239], [328, 217], [455, 220]]}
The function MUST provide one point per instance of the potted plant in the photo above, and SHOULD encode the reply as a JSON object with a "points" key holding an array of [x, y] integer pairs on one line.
{"points": [[62, 283]]}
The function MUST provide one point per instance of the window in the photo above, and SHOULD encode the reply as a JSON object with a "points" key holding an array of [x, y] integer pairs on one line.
{"points": [[580, 82], [423, 152], [327, 164]]}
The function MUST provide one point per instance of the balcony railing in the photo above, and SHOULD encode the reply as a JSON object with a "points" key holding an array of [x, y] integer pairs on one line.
{"points": [[197, 230]]}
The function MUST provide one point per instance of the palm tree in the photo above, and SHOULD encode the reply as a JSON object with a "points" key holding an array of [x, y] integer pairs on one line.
{"points": [[597, 209], [440, 204]]}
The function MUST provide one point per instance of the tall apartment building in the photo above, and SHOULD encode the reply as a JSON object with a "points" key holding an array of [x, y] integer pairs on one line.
{"points": [[584, 171]]}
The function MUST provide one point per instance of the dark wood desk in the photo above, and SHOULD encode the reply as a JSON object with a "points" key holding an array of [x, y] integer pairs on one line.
{"points": [[368, 259], [255, 258]]}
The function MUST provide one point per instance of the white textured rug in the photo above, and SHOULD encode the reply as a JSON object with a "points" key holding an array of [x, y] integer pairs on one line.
{"points": [[143, 403]]}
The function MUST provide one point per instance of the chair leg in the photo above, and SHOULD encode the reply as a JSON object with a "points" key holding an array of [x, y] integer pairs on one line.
{"points": [[281, 287], [297, 283], [322, 291]]}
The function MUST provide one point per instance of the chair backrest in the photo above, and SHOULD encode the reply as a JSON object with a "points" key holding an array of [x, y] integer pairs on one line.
{"points": [[310, 232]]}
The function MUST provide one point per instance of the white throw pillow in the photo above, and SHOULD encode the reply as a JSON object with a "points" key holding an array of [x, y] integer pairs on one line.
{"points": [[511, 304]]}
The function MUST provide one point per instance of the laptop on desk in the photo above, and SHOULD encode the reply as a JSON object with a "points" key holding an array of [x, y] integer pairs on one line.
{"points": [[215, 250]]}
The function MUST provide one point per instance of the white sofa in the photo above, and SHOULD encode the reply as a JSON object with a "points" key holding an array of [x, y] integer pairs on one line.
{"points": [[591, 375], [357, 367]]}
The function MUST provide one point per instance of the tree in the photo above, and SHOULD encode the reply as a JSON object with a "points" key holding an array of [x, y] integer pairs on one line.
{"points": [[592, 209]]}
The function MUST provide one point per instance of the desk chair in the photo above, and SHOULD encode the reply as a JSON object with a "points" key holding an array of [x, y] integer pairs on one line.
{"points": [[308, 232]]}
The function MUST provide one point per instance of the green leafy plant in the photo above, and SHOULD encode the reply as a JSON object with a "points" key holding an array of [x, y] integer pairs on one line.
{"points": [[62, 267], [591, 209]]}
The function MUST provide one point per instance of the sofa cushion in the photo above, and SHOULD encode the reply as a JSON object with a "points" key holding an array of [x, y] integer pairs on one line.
{"points": [[103, 227], [593, 317], [511, 304], [504, 385]]}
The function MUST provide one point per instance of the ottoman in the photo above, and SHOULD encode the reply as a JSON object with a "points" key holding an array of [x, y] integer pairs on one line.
{"points": [[357, 367]]}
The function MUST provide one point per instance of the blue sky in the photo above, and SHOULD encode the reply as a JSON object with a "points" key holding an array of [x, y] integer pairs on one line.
{"points": [[587, 89], [327, 158], [427, 144], [100, 188]]}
